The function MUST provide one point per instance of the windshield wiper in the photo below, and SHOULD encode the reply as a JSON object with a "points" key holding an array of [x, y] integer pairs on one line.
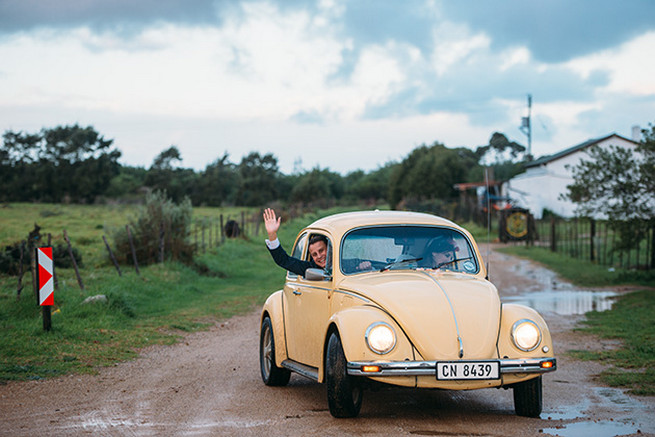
{"points": [[409, 260], [450, 262]]}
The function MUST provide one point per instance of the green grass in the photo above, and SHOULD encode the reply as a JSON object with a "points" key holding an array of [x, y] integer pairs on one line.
{"points": [[156, 307], [86, 224], [153, 308], [631, 321], [632, 364]]}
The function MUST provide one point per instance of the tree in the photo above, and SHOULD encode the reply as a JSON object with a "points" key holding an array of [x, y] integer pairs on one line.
{"points": [[63, 163], [501, 147], [178, 183], [258, 179], [164, 161], [502, 155], [317, 185], [218, 184], [370, 187], [127, 183], [430, 173], [619, 184]]}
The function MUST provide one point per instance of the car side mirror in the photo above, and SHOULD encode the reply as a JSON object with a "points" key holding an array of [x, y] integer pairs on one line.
{"points": [[317, 275]]}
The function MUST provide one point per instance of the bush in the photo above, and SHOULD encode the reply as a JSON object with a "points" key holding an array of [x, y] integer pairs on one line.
{"points": [[160, 218], [10, 258]]}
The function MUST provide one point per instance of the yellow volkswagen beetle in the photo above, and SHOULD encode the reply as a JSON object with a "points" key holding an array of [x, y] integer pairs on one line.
{"points": [[403, 300]]}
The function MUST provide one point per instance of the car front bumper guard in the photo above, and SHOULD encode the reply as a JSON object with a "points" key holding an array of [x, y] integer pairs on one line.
{"points": [[418, 368]]}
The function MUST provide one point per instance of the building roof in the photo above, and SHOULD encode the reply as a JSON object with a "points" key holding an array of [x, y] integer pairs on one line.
{"points": [[549, 158]]}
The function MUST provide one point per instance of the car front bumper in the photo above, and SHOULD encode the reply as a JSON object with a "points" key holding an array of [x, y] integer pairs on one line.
{"points": [[419, 368]]}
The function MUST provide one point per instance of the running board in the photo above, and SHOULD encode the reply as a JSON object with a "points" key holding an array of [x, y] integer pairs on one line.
{"points": [[301, 369]]}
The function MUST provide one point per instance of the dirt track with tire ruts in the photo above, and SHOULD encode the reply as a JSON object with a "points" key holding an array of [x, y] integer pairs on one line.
{"points": [[209, 384]]}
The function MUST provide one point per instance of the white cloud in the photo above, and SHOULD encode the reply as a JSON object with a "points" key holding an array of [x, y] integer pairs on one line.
{"points": [[454, 44], [631, 66], [513, 57]]}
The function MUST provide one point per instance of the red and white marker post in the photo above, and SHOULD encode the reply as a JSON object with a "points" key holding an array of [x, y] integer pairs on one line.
{"points": [[46, 290]]}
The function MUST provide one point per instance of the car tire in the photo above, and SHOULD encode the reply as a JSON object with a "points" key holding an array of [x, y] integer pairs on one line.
{"points": [[271, 374], [528, 397], [344, 392]]}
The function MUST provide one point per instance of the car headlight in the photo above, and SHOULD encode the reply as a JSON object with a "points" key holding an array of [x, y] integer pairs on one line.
{"points": [[380, 338], [526, 335]]}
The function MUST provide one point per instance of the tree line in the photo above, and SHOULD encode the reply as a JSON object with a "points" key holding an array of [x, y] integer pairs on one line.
{"points": [[79, 165]]}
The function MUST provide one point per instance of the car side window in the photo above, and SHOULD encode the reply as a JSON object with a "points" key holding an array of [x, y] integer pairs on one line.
{"points": [[298, 251]]}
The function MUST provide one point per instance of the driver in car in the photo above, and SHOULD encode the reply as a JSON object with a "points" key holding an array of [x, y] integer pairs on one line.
{"points": [[440, 251]]}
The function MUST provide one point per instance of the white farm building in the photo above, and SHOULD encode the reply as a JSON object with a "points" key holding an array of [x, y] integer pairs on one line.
{"points": [[546, 178]]}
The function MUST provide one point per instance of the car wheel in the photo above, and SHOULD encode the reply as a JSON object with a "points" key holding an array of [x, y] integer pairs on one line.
{"points": [[344, 392], [527, 398], [271, 373]]}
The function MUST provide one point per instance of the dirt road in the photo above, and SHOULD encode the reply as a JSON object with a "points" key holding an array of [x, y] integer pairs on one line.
{"points": [[209, 384]]}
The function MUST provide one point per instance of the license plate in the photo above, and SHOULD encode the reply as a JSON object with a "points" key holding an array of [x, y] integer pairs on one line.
{"points": [[464, 370]]}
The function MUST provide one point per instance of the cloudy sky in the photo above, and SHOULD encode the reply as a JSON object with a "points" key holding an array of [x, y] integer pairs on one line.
{"points": [[332, 83]]}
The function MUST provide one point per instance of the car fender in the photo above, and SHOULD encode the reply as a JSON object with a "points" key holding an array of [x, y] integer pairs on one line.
{"points": [[273, 308], [510, 314], [351, 325]]}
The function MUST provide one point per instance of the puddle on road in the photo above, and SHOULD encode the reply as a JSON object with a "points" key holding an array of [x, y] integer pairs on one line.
{"points": [[565, 303], [592, 429], [547, 293], [632, 416]]}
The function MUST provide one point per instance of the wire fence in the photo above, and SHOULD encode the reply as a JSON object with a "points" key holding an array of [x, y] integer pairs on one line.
{"points": [[596, 241]]}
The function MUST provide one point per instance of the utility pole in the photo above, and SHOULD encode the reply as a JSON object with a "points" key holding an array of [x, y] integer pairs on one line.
{"points": [[526, 127]]}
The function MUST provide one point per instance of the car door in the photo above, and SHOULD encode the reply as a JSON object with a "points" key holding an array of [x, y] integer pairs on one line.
{"points": [[306, 313]]}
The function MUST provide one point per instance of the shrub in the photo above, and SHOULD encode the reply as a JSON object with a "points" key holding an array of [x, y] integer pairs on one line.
{"points": [[160, 218], [10, 257]]}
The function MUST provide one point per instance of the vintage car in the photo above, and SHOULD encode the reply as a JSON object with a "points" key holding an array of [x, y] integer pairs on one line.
{"points": [[388, 308]]}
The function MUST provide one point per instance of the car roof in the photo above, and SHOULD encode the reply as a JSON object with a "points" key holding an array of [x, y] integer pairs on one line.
{"points": [[339, 223]]}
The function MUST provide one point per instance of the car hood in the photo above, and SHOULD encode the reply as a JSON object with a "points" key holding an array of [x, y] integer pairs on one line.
{"points": [[433, 307]]}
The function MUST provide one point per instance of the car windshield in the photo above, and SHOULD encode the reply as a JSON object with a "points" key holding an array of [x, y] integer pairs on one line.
{"points": [[406, 247]]}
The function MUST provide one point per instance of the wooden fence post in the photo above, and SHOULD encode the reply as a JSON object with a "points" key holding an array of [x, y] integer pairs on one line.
{"points": [[54, 269], [162, 234], [592, 236], [243, 223], [222, 230], [195, 237], [203, 237], [129, 237], [652, 246], [111, 255], [70, 252], [20, 270]]}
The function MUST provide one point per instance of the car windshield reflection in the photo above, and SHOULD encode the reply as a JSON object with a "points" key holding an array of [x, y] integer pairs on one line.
{"points": [[384, 248]]}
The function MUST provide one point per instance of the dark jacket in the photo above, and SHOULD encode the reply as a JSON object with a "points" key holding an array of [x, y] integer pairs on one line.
{"points": [[294, 265]]}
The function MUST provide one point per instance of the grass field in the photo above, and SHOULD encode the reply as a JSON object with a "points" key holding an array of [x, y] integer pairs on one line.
{"points": [[153, 308]]}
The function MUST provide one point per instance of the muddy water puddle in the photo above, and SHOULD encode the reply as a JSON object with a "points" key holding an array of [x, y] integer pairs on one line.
{"points": [[631, 417], [546, 293], [565, 303]]}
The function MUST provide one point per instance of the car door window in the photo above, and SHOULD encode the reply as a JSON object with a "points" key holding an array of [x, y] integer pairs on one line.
{"points": [[298, 252]]}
